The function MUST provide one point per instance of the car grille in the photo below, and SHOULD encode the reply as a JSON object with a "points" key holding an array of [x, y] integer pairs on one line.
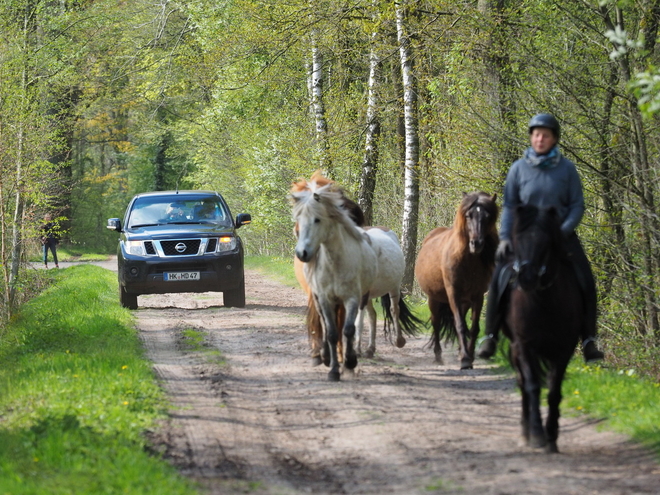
{"points": [[210, 247], [191, 247], [149, 247]]}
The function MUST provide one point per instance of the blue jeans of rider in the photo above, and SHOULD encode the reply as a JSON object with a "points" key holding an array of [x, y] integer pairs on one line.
{"points": [[53, 249]]}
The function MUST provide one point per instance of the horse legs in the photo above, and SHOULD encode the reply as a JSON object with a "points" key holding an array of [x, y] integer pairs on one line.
{"points": [[477, 305], [531, 391], [330, 337], [461, 329], [437, 322], [395, 298], [555, 378], [520, 379], [371, 349], [314, 331], [352, 307]]}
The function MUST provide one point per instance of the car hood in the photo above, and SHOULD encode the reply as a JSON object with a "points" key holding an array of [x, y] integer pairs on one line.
{"points": [[175, 231]]}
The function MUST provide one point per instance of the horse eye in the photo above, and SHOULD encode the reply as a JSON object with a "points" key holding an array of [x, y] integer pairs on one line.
{"points": [[317, 220]]}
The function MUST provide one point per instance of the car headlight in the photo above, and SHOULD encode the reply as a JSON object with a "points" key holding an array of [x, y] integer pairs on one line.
{"points": [[135, 248], [226, 244]]}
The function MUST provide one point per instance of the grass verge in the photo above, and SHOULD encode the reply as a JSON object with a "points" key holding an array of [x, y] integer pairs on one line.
{"points": [[77, 395]]}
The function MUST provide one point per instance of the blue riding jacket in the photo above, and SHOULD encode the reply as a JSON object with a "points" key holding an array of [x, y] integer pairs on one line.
{"points": [[550, 182]]}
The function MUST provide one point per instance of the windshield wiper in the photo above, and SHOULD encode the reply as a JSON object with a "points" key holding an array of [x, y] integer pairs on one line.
{"points": [[146, 225]]}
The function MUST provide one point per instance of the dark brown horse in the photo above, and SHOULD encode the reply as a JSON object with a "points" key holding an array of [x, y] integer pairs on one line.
{"points": [[543, 315], [314, 328], [454, 268]]}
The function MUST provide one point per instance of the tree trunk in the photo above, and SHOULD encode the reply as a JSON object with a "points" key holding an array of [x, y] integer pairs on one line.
{"points": [[322, 144], [411, 179], [370, 162]]}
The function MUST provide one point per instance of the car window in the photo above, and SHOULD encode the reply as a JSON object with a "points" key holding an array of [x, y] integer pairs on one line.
{"points": [[164, 210]]}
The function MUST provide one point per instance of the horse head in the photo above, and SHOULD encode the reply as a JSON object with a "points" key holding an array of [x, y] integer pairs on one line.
{"points": [[478, 214], [537, 245], [317, 211]]}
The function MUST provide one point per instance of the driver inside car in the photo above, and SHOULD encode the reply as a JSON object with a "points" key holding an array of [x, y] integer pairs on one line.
{"points": [[174, 213]]}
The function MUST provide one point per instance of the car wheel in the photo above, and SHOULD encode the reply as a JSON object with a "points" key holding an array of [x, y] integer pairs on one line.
{"points": [[127, 300], [235, 298]]}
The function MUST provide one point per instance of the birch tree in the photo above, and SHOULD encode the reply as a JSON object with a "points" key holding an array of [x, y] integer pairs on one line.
{"points": [[318, 108], [411, 173]]}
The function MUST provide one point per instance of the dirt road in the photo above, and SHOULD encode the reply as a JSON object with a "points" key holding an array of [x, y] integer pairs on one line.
{"points": [[266, 422]]}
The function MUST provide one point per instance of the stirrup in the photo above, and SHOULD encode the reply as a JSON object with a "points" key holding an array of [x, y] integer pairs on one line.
{"points": [[490, 336]]}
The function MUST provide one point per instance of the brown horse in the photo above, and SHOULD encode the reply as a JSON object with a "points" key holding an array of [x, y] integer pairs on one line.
{"points": [[544, 311], [454, 268], [313, 320]]}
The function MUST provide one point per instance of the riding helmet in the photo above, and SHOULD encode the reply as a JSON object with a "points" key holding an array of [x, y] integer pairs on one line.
{"points": [[545, 120]]}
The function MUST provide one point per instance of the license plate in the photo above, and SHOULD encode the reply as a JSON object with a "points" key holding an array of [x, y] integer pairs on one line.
{"points": [[181, 276]]}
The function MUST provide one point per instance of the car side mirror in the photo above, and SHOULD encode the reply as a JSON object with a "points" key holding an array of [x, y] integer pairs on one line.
{"points": [[114, 224], [243, 219]]}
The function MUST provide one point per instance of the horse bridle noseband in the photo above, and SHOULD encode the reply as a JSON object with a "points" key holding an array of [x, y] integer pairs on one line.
{"points": [[518, 265]]}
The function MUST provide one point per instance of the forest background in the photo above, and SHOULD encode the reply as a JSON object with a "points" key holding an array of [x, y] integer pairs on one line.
{"points": [[407, 105]]}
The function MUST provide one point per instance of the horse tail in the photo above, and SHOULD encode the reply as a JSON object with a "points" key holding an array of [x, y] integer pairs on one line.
{"points": [[388, 320], [444, 327], [409, 321]]}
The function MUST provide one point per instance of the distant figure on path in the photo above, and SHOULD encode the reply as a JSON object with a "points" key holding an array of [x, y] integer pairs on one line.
{"points": [[49, 238]]}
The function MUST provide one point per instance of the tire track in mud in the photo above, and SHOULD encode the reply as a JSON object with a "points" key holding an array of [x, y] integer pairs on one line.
{"points": [[266, 422]]}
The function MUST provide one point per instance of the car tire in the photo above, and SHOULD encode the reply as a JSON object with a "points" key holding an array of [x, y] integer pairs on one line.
{"points": [[235, 298], [127, 300]]}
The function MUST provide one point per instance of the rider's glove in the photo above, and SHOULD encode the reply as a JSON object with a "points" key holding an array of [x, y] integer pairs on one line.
{"points": [[504, 250]]}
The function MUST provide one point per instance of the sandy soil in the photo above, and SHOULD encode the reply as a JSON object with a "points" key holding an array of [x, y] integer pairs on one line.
{"points": [[267, 422]]}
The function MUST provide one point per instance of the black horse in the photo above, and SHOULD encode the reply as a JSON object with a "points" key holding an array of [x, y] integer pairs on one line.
{"points": [[543, 315]]}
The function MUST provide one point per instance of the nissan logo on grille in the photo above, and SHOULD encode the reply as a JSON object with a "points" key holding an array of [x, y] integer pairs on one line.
{"points": [[180, 247]]}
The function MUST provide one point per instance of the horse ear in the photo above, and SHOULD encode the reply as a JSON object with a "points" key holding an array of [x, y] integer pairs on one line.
{"points": [[464, 194], [494, 197]]}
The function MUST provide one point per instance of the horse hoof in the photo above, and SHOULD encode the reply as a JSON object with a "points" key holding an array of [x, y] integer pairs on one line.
{"points": [[400, 342], [316, 360], [466, 364], [351, 362], [369, 353], [538, 441], [551, 448], [333, 376]]}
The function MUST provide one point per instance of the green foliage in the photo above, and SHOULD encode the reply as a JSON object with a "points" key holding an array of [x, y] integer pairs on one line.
{"points": [[77, 395]]}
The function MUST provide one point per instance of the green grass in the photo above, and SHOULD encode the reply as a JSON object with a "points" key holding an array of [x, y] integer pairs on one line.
{"points": [[77, 395], [277, 268]]}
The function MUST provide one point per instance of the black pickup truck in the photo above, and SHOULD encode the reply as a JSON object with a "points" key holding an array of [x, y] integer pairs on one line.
{"points": [[180, 241]]}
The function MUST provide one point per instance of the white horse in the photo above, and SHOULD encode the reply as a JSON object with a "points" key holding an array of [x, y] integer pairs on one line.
{"points": [[387, 286], [340, 266]]}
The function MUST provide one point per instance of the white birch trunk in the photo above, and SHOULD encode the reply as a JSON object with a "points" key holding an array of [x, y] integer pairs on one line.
{"points": [[318, 108], [411, 182]]}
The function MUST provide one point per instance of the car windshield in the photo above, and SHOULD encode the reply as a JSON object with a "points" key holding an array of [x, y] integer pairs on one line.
{"points": [[159, 210]]}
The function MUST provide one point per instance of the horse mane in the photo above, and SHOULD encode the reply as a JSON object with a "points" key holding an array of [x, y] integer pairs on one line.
{"points": [[354, 210], [325, 202], [483, 199], [547, 220]]}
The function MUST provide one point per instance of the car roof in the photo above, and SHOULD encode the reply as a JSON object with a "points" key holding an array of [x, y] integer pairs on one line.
{"points": [[177, 193]]}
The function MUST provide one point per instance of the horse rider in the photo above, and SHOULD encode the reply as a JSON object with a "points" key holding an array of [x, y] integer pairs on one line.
{"points": [[543, 177]]}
